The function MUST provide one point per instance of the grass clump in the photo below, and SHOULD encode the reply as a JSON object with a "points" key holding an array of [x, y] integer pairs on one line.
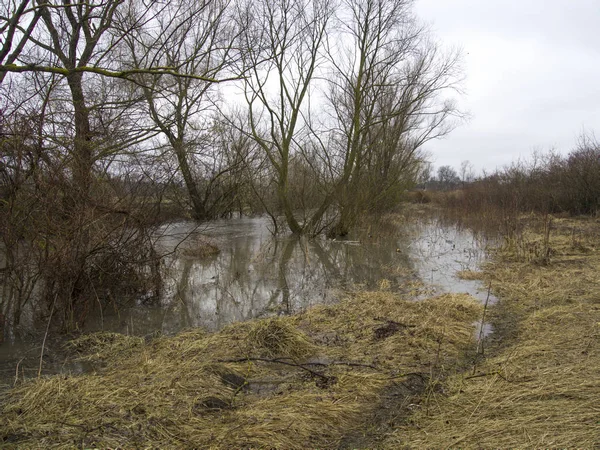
{"points": [[103, 345], [276, 337]]}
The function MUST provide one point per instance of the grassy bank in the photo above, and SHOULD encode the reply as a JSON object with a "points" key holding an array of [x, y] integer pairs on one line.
{"points": [[539, 385], [375, 370], [306, 381]]}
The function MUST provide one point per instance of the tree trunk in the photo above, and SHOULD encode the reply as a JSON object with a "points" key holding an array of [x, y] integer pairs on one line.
{"points": [[83, 159], [284, 199], [288, 213], [198, 207]]}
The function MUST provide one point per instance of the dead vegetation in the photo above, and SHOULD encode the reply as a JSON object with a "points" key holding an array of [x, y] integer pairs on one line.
{"points": [[200, 248], [103, 345], [470, 275], [304, 381], [539, 387]]}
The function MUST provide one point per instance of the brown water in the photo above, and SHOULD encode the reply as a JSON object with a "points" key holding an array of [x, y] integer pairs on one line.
{"points": [[257, 275]]}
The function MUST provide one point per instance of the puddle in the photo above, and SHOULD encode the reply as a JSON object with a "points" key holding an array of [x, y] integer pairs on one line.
{"points": [[441, 252], [484, 331]]}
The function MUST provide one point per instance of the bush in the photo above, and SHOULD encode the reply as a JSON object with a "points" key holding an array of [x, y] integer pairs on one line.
{"points": [[548, 184]]}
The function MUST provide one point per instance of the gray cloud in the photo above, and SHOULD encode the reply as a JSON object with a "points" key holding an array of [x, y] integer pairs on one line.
{"points": [[531, 71]]}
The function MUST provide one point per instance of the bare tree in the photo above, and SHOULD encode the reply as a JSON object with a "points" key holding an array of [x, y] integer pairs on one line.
{"points": [[466, 172], [85, 225], [386, 97], [447, 177], [18, 19], [73, 38], [284, 51], [196, 38]]}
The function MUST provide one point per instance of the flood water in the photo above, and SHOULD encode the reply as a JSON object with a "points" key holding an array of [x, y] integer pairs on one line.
{"points": [[258, 275]]}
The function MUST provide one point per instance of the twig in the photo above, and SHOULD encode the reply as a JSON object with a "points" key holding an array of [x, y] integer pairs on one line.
{"points": [[17, 371], [400, 324], [277, 361], [333, 363], [342, 363], [318, 374], [46, 335], [480, 340]]}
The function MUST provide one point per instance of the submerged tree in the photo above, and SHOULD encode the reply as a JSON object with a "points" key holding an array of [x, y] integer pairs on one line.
{"points": [[385, 83], [339, 97], [284, 42], [197, 38], [386, 95], [66, 59]]}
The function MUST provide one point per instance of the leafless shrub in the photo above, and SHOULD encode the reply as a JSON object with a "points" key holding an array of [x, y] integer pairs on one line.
{"points": [[59, 253], [547, 184]]}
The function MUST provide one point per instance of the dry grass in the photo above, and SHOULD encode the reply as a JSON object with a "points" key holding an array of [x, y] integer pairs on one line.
{"points": [[227, 390], [104, 345], [310, 380], [277, 337], [470, 275], [384, 284], [540, 388]]}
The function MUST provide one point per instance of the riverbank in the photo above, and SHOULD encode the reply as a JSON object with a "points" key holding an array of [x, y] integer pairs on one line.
{"points": [[257, 275], [303, 381], [539, 384]]}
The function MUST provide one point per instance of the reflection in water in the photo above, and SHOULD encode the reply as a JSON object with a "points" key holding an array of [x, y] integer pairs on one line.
{"points": [[256, 274], [442, 251]]}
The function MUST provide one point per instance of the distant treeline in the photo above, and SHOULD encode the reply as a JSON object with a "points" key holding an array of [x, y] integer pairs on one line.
{"points": [[547, 183]]}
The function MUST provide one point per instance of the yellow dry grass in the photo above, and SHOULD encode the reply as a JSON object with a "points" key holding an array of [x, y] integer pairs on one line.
{"points": [[104, 345], [302, 381], [470, 275], [540, 388], [309, 380]]}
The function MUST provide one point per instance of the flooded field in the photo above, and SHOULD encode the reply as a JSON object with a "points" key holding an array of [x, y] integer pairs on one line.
{"points": [[258, 275]]}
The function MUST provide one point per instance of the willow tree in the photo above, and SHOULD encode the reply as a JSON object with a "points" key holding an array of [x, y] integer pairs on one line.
{"points": [[387, 97], [72, 40], [197, 37], [83, 225]]}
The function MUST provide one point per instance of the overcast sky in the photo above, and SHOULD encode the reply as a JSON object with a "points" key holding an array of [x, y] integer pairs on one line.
{"points": [[532, 72]]}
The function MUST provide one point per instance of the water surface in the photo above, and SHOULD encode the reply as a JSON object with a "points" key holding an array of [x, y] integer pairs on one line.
{"points": [[256, 274]]}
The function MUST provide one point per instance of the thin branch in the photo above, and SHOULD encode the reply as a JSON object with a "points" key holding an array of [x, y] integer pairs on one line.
{"points": [[123, 74]]}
